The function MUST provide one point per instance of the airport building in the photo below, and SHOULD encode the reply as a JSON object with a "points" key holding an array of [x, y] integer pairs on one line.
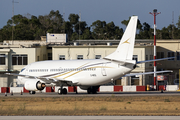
{"points": [[14, 55]]}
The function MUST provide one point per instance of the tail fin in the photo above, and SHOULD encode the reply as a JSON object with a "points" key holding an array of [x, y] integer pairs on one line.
{"points": [[125, 48]]}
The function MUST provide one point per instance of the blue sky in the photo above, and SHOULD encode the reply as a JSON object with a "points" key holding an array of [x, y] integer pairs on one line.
{"points": [[92, 10]]}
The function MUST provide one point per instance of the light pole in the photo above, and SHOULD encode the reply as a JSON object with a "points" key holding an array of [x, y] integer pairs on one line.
{"points": [[155, 75]]}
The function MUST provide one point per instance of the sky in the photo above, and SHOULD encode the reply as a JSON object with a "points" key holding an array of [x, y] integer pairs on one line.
{"points": [[92, 10]]}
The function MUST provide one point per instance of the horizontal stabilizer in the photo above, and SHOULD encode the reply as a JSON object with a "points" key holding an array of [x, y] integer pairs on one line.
{"points": [[122, 61], [146, 73], [154, 60]]}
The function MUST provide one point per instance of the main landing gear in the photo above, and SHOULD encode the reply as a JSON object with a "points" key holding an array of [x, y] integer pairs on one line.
{"points": [[62, 91], [32, 92], [92, 90]]}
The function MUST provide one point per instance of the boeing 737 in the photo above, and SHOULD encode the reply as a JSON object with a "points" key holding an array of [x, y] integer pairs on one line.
{"points": [[87, 74]]}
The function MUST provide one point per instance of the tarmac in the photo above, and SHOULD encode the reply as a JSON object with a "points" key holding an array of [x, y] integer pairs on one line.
{"points": [[73, 94]]}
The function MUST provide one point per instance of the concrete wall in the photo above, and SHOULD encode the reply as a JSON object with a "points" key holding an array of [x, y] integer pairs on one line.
{"points": [[88, 52], [42, 53], [101, 89], [6, 66]]}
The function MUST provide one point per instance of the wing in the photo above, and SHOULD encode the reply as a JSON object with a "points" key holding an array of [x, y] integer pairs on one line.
{"points": [[136, 74], [45, 79]]}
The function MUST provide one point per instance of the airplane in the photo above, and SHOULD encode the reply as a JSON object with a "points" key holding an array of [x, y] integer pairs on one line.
{"points": [[87, 74]]}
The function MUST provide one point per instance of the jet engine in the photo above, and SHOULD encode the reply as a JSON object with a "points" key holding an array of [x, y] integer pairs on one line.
{"points": [[34, 85]]}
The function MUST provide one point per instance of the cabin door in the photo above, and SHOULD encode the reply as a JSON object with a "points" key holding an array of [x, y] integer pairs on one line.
{"points": [[103, 69]]}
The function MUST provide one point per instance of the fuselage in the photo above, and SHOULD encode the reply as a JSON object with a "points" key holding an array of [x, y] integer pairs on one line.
{"points": [[81, 72]]}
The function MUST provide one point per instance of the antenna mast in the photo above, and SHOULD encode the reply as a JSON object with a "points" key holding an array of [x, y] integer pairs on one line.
{"points": [[79, 23], [13, 20], [173, 25]]}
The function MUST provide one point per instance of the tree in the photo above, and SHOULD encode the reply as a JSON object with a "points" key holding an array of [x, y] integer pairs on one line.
{"points": [[68, 29], [118, 32], [87, 34], [98, 28], [52, 23], [80, 27], [145, 32], [178, 23], [30, 27], [73, 18], [110, 30]]}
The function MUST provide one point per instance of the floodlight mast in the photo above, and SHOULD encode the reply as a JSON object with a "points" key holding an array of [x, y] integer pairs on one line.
{"points": [[155, 69]]}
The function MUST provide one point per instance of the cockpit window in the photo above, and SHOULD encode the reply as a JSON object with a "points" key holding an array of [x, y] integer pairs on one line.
{"points": [[23, 69]]}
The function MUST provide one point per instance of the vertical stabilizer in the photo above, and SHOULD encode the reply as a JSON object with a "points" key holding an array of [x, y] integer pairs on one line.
{"points": [[125, 48]]}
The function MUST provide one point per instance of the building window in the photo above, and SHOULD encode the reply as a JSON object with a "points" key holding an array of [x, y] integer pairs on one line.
{"points": [[79, 57], [171, 54], [98, 57], [62, 57], [151, 57], [178, 55], [38, 58], [2, 59], [160, 55], [135, 57], [146, 57], [19, 59], [49, 56]]}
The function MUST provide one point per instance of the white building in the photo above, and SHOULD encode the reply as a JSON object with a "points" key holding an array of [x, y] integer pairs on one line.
{"points": [[14, 57]]}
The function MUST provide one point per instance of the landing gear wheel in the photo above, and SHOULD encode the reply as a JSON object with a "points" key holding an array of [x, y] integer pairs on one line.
{"points": [[62, 91], [89, 90], [59, 91], [32, 92], [92, 90]]}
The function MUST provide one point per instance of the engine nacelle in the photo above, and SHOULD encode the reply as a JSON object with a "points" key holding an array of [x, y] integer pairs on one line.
{"points": [[34, 85]]}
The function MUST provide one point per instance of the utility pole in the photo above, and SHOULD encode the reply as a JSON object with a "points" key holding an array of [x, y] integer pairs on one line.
{"points": [[155, 69], [13, 20], [173, 25], [64, 31], [79, 23]]}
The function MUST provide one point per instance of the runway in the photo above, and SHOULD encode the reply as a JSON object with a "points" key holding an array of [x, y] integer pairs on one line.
{"points": [[89, 117], [54, 94]]}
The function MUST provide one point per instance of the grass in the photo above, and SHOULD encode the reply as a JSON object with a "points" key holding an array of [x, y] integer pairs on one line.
{"points": [[166, 100], [128, 102], [113, 105]]}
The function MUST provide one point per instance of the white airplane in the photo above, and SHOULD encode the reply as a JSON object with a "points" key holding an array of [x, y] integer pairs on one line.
{"points": [[87, 74]]}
